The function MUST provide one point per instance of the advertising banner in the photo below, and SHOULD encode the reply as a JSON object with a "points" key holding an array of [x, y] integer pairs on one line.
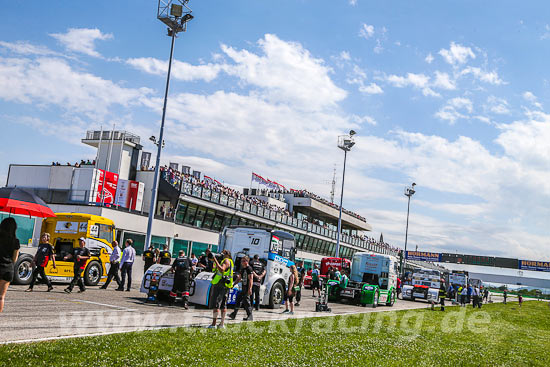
{"points": [[534, 265], [135, 195], [109, 190], [145, 160], [129, 194], [423, 256]]}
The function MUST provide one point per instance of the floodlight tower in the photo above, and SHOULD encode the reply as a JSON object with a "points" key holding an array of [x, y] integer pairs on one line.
{"points": [[409, 191], [175, 14], [345, 142]]}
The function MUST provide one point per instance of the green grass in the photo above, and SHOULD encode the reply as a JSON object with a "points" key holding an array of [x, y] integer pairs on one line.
{"points": [[495, 335]]}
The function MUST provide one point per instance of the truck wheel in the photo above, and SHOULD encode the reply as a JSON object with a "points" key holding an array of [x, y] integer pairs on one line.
{"points": [[276, 296], [391, 300], [93, 273], [23, 270], [375, 300]]}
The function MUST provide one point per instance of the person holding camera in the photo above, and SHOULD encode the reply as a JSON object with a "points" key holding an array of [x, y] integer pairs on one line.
{"points": [[246, 277], [222, 283], [206, 262]]}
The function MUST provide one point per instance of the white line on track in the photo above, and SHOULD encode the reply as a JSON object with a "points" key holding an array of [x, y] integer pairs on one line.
{"points": [[104, 304]]}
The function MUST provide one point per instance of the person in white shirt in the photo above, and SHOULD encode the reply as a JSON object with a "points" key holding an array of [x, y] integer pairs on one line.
{"points": [[128, 257], [114, 260]]}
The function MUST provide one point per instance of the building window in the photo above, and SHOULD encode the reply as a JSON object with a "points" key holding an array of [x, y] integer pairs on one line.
{"points": [[217, 223], [190, 214], [180, 213], [208, 218], [199, 218], [226, 220]]}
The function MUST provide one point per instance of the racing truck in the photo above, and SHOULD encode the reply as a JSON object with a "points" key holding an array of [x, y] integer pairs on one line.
{"points": [[276, 250], [425, 285], [372, 281], [65, 229], [338, 263]]}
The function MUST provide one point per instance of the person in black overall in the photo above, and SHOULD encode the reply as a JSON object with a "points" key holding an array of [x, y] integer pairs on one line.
{"points": [[148, 258], [165, 258], [43, 255], [246, 278], [259, 274], [182, 268], [80, 256]]}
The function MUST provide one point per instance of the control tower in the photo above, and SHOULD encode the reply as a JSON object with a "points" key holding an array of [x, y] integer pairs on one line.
{"points": [[117, 151]]}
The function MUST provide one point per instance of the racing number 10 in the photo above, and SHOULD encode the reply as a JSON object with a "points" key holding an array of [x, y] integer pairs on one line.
{"points": [[255, 241]]}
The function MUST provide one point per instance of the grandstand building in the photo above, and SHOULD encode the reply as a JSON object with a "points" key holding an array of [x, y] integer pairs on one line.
{"points": [[191, 208]]}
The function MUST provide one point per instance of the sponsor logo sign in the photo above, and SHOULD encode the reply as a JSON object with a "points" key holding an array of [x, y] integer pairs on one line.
{"points": [[423, 256], [534, 265]]}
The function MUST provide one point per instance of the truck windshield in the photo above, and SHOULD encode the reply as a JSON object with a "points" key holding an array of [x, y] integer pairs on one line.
{"points": [[288, 249]]}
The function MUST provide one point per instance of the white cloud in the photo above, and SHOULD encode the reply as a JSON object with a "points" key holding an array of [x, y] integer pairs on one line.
{"points": [[180, 70], [454, 109], [429, 92], [26, 48], [416, 80], [497, 105], [52, 81], [286, 72], [443, 81], [344, 55], [527, 142], [362, 119], [490, 77], [429, 59], [82, 40], [372, 88], [457, 54], [366, 31], [530, 97]]}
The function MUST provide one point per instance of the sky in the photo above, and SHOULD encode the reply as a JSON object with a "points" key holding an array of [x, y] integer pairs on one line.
{"points": [[451, 95]]}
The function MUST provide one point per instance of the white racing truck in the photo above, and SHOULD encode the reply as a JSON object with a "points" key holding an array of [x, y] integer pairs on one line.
{"points": [[425, 285], [276, 250]]}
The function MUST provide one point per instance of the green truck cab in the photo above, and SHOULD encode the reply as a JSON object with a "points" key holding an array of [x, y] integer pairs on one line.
{"points": [[372, 280]]}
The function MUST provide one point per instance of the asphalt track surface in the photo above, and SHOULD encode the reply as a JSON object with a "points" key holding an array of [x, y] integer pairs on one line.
{"points": [[41, 315]]}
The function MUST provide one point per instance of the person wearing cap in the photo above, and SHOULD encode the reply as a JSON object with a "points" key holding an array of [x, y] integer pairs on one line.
{"points": [[80, 257], [126, 263], [148, 258], [205, 261]]}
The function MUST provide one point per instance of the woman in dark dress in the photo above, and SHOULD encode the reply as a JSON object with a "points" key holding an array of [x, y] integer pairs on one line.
{"points": [[9, 249]]}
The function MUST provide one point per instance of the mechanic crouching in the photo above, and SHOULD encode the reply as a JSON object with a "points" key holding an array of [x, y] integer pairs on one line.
{"points": [[182, 268]]}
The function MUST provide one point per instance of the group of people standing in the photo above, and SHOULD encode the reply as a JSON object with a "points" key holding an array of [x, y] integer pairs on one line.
{"points": [[468, 294]]}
